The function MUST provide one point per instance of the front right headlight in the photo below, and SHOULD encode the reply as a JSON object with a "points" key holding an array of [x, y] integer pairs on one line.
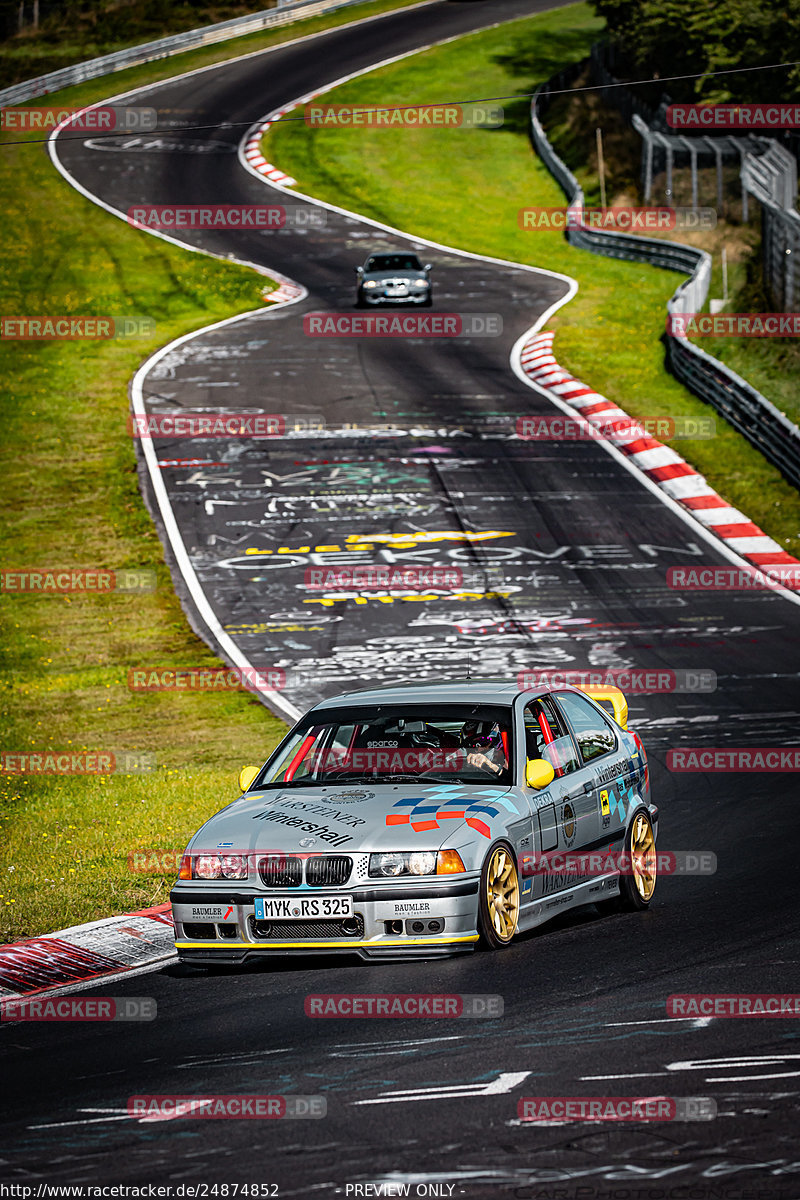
{"points": [[370, 283], [392, 863]]}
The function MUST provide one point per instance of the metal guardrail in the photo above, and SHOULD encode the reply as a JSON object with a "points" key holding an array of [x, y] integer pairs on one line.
{"points": [[769, 430], [177, 43]]}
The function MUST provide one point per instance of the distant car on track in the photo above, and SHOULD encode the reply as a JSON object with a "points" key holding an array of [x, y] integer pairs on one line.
{"points": [[393, 279], [416, 821]]}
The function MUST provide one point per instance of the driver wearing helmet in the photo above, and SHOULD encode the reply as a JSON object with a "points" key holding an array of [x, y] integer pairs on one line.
{"points": [[483, 744]]}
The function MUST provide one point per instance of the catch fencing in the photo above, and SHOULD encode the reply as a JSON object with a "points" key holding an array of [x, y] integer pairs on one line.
{"points": [[769, 430]]}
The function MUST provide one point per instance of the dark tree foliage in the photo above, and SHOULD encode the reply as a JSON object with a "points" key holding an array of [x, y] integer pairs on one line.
{"points": [[678, 37]]}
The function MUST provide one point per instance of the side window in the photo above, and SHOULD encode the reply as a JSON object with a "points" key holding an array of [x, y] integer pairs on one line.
{"points": [[547, 737], [594, 734]]}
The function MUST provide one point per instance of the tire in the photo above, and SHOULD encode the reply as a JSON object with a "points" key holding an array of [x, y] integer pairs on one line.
{"points": [[427, 303], [497, 922], [637, 887], [360, 301]]}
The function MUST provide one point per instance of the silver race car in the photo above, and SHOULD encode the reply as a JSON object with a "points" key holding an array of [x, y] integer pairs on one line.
{"points": [[417, 821], [393, 279]]}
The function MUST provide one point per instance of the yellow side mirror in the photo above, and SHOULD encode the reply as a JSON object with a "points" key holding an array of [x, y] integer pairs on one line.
{"points": [[246, 777], [539, 773]]}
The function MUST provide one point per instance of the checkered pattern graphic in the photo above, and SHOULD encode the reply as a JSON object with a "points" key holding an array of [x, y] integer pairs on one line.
{"points": [[446, 802]]}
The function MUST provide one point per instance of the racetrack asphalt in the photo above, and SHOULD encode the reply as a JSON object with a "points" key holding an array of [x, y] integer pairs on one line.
{"points": [[584, 569]]}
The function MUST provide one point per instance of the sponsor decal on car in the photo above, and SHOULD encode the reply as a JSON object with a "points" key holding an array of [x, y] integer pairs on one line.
{"points": [[352, 797], [568, 822], [321, 810], [212, 912], [321, 831]]}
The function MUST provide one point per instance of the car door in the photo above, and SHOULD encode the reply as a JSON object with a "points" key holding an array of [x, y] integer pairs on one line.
{"points": [[559, 811], [603, 766]]}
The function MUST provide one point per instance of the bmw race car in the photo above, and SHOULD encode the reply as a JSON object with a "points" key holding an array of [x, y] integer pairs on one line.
{"points": [[393, 279], [417, 821]]}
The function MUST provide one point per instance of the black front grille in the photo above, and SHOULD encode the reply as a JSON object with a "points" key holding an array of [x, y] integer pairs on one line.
{"points": [[313, 931], [331, 870], [281, 870]]}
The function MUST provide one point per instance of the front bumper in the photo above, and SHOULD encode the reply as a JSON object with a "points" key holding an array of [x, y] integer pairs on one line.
{"points": [[377, 297], [218, 924]]}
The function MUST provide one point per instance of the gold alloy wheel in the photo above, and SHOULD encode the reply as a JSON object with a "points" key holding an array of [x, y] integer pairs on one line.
{"points": [[643, 856], [502, 894]]}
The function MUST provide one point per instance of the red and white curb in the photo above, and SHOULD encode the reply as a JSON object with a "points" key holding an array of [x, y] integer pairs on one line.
{"points": [[256, 161], [680, 481], [84, 954], [286, 291], [252, 148]]}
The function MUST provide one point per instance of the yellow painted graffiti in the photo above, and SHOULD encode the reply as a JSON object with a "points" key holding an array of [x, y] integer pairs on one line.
{"points": [[404, 541], [337, 598]]}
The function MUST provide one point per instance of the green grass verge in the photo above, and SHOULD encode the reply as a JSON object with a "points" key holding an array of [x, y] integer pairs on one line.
{"points": [[69, 490], [190, 60], [464, 187]]}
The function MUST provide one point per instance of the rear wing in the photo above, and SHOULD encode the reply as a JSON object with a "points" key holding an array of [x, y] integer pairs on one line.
{"points": [[611, 699]]}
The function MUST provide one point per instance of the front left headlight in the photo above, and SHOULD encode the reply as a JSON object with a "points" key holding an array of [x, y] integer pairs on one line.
{"points": [[214, 866], [420, 283], [392, 863]]}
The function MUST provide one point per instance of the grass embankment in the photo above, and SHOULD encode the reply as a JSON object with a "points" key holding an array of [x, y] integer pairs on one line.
{"points": [[69, 493], [771, 364], [464, 187], [60, 42]]}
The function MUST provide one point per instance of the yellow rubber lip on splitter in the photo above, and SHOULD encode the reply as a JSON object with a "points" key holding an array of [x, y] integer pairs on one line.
{"points": [[472, 937]]}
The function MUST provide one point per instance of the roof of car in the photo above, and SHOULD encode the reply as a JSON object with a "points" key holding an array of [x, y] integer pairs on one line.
{"points": [[477, 691]]}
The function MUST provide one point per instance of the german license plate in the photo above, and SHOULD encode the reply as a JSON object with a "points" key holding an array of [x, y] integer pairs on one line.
{"points": [[299, 908]]}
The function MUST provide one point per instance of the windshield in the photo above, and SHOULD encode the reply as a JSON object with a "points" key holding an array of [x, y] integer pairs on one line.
{"points": [[462, 743], [393, 262]]}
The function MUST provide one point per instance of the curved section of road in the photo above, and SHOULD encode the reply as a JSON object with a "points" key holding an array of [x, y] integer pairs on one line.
{"points": [[267, 617], [578, 550]]}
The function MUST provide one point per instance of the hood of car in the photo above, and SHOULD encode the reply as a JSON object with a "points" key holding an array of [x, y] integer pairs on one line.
{"points": [[350, 818]]}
